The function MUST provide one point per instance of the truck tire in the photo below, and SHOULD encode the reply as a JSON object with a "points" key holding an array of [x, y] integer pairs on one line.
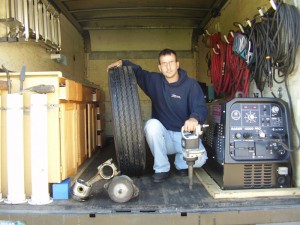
{"points": [[128, 126]]}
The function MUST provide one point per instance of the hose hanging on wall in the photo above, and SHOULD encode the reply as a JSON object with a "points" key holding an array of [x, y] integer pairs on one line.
{"points": [[229, 73], [238, 68], [215, 65]]}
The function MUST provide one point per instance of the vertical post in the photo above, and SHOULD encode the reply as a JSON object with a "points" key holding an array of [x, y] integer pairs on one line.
{"points": [[54, 41], [31, 14], [40, 19], [1, 199], [58, 32], [36, 20], [26, 25], [39, 150], [45, 23], [52, 28], [12, 11], [48, 26], [15, 150], [19, 11]]}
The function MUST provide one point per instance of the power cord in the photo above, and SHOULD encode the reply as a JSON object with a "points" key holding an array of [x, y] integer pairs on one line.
{"points": [[275, 37]]}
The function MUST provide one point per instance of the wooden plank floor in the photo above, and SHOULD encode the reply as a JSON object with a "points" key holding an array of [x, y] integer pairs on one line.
{"points": [[216, 192]]}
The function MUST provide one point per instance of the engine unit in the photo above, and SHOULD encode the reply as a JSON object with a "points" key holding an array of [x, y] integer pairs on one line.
{"points": [[245, 143]]}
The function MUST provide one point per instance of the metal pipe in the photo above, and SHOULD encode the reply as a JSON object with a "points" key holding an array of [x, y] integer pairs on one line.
{"points": [[7, 5], [59, 33], [12, 9], [31, 15], [19, 9], [54, 30], [15, 147], [45, 23], [26, 25], [36, 21], [52, 27], [40, 19], [48, 26], [39, 150]]}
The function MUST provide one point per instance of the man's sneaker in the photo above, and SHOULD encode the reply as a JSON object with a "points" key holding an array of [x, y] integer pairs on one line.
{"points": [[160, 177], [183, 172]]}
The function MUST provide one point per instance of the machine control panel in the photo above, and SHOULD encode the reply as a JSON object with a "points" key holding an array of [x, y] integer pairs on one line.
{"points": [[256, 131]]}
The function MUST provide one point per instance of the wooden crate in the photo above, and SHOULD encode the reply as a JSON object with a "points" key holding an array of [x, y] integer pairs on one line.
{"points": [[71, 126], [68, 139], [67, 90]]}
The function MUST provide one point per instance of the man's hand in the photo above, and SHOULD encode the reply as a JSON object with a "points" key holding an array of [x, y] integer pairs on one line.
{"points": [[190, 125], [115, 64]]}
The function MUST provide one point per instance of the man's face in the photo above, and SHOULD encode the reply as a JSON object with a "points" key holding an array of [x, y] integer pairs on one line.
{"points": [[169, 66]]}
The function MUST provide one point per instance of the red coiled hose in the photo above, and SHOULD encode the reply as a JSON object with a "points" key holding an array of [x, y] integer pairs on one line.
{"points": [[229, 72]]}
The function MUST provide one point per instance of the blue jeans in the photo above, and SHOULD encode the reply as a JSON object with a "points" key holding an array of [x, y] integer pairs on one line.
{"points": [[163, 142]]}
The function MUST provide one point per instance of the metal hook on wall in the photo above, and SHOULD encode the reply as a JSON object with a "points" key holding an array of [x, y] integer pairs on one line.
{"points": [[273, 4], [225, 37], [215, 51], [240, 26], [249, 22]]}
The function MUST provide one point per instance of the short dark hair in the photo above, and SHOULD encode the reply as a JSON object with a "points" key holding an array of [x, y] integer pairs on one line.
{"points": [[166, 51]]}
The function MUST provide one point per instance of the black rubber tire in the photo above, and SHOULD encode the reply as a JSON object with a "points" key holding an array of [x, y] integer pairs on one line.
{"points": [[129, 137]]}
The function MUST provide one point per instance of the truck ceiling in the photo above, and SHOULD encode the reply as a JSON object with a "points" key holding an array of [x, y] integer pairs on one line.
{"points": [[88, 15]]}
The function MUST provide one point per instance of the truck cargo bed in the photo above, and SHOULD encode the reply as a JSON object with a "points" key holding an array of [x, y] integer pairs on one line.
{"points": [[171, 199]]}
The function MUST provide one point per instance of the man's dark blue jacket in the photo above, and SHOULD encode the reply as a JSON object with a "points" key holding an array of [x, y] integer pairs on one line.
{"points": [[172, 103]]}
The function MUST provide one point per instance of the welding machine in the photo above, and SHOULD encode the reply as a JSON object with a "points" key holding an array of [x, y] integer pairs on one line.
{"points": [[247, 143]]}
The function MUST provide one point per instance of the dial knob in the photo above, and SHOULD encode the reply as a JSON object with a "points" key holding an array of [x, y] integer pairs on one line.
{"points": [[246, 135], [262, 135], [275, 109], [238, 135], [250, 117]]}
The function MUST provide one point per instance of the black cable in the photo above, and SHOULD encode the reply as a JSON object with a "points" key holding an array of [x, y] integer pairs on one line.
{"points": [[288, 39], [258, 65], [294, 127], [275, 37]]}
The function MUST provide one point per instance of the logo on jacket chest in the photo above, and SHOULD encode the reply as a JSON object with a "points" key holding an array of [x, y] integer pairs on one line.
{"points": [[175, 96]]}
